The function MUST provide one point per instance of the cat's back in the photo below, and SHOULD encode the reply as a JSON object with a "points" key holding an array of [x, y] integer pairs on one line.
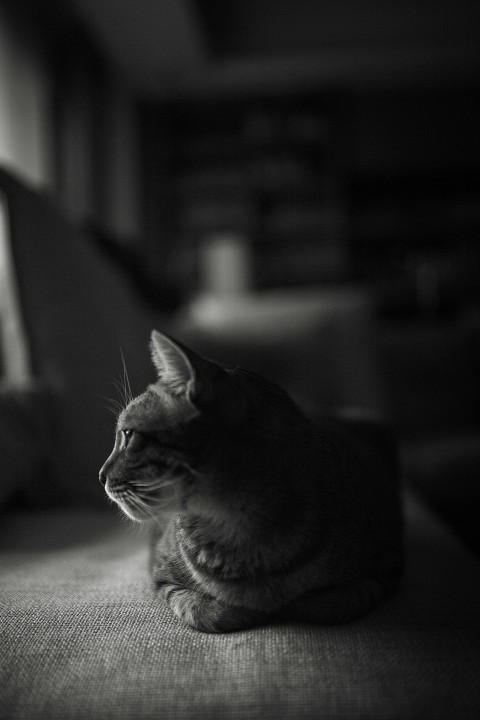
{"points": [[365, 508]]}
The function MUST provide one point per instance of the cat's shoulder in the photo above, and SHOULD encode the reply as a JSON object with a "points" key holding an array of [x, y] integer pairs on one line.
{"points": [[358, 428]]}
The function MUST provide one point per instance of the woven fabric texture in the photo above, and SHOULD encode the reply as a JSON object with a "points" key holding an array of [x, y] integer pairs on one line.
{"points": [[83, 636]]}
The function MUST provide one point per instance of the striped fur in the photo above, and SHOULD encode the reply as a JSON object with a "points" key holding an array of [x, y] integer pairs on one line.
{"points": [[259, 513]]}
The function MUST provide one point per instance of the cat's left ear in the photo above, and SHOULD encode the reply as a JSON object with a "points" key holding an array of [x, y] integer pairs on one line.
{"points": [[183, 373], [174, 369]]}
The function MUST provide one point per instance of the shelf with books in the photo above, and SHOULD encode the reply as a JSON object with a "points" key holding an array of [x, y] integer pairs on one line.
{"points": [[272, 169]]}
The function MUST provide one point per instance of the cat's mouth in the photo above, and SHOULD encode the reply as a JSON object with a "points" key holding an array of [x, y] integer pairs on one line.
{"points": [[142, 499], [135, 506]]}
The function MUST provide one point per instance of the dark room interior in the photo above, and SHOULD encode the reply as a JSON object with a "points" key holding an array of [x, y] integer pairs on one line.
{"points": [[289, 186]]}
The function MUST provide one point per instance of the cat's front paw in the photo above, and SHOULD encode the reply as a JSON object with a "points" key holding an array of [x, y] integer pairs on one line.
{"points": [[207, 614]]}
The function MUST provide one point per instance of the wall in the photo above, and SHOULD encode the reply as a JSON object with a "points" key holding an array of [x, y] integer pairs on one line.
{"points": [[67, 121], [122, 202], [25, 144]]}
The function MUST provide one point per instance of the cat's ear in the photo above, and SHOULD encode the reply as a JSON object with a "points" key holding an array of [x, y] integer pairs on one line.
{"points": [[175, 371], [183, 373]]}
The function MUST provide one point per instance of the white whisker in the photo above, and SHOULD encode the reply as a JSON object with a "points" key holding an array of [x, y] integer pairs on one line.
{"points": [[126, 381], [113, 405]]}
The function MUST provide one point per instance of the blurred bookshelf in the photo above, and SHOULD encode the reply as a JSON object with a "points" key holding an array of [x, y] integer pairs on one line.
{"points": [[272, 171], [415, 198], [375, 186], [415, 239]]}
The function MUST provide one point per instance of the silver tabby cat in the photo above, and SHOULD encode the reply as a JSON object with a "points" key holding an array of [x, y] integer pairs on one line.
{"points": [[259, 513]]}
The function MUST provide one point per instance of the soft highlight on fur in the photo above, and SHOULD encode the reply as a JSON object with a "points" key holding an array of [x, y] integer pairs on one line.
{"points": [[258, 513]]}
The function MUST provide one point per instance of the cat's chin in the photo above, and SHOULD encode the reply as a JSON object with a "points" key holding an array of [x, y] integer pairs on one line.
{"points": [[140, 514], [132, 512], [134, 515]]}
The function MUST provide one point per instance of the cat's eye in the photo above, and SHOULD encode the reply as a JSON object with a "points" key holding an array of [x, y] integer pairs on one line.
{"points": [[126, 436], [131, 440]]}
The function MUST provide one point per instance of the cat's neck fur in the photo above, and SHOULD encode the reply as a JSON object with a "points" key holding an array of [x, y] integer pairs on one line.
{"points": [[288, 524]]}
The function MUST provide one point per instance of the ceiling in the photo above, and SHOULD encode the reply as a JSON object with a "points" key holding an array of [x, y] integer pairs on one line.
{"points": [[166, 45]]}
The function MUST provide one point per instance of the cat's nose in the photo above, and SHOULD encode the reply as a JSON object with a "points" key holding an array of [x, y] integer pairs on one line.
{"points": [[103, 474]]}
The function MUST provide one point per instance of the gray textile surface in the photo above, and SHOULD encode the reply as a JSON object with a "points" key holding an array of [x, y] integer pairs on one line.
{"points": [[82, 636]]}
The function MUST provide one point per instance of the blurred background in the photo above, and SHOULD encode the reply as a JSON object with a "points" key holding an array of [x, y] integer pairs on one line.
{"points": [[268, 153], [330, 140]]}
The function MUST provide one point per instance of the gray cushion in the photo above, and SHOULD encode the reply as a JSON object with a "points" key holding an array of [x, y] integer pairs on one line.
{"points": [[83, 636]]}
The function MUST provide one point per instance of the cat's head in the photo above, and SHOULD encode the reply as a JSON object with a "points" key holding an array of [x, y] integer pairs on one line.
{"points": [[199, 439]]}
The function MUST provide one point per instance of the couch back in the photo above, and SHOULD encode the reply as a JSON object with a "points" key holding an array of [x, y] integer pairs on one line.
{"points": [[79, 316]]}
